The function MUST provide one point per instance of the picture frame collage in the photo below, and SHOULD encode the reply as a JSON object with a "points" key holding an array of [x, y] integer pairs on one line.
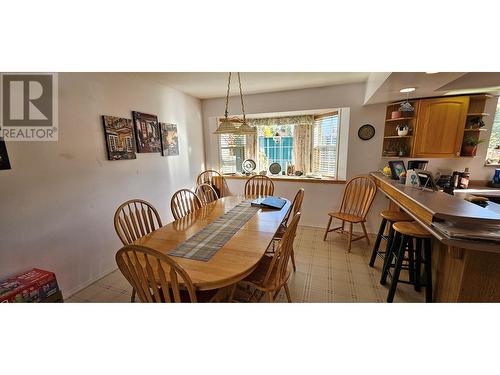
{"points": [[141, 134]]}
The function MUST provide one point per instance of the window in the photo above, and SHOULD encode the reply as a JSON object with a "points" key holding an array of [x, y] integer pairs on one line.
{"points": [[232, 152], [275, 145], [493, 154], [325, 144]]}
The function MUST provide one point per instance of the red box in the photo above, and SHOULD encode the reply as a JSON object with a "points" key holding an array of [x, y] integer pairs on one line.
{"points": [[34, 285]]}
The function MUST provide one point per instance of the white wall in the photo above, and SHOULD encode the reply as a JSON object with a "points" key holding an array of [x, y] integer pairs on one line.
{"points": [[363, 156], [59, 199]]}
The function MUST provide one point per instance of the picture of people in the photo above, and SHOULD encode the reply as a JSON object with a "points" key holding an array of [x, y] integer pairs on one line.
{"points": [[169, 140], [4, 158], [119, 133], [147, 132]]}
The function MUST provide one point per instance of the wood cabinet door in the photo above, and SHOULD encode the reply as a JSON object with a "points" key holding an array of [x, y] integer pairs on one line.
{"points": [[440, 127]]}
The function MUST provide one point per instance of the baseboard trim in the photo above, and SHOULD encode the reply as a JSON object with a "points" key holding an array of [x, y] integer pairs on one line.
{"points": [[82, 286]]}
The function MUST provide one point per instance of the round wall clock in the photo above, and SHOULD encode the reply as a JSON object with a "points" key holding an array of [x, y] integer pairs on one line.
{"points": [[366, 132]]}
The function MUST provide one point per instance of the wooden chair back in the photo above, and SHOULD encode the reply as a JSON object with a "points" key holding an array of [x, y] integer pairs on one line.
{"points": [[359, 194], [184, 202], [134, 219], [215, 180], [278, 270], [147, 269], [295, 207], [259, 185], [206, 193]]}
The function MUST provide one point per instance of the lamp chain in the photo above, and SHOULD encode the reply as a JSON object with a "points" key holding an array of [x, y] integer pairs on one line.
{"points": [[227, 95], [226, 113], [241, 98]]}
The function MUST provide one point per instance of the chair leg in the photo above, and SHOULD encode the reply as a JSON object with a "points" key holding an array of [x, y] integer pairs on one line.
{"points": [[328, 228], [350, 238], [132, 298], [287, 291], [292, 255], [231, 295], [428, 270], [397, 269], [269, 297], [377, 242], [418, 263], [389, 256], [366, 234], [411, 261]]}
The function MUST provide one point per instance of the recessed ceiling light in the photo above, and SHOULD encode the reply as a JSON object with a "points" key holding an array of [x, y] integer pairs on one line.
{"points": [[408, 89]]}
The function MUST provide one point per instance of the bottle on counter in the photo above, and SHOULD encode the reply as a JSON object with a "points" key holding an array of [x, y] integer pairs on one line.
{"points": [[464, 179]]}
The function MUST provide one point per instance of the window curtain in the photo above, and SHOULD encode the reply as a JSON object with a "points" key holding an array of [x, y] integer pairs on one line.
{"points": [[302, 147], [251, 146], [287, 120]]}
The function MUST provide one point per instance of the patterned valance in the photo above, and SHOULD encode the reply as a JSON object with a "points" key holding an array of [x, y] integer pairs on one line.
{"points": [[287, 120]]}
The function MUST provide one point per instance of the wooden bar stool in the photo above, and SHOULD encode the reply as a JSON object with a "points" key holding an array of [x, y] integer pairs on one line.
{"points": [[405, 234], [387, 217]]}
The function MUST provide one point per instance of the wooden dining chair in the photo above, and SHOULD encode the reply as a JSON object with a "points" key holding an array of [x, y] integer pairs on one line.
{"points": [[184, 202], [206, 193], [215, 180], [134, 219], [155, 276], [294, 208], [259, 186], [272, 273], [356, 202]]}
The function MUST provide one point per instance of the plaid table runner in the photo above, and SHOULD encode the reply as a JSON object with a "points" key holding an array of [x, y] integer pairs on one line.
{"points": [[204, 244]]}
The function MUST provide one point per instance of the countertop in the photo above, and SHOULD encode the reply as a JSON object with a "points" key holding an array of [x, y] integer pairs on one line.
{"points": [[442, 205]]}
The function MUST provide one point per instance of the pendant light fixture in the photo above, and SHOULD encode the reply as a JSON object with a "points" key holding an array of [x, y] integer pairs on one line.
{"points": [[234, 125], [406, 106]]}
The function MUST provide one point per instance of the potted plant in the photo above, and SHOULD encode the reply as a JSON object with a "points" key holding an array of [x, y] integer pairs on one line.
{"points": [[469, 145], [476, 123]]}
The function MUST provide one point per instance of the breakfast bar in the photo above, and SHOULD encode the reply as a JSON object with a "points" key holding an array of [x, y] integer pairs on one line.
{"points": [[465, 266]]}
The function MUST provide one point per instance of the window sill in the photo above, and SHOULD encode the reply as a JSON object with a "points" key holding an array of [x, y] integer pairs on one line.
{"points": [[322, 180], [492, 165]]}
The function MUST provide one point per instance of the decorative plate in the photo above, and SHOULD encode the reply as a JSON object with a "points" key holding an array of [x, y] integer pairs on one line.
{"points": [[366, 132], [275, 168], [248, 165]]}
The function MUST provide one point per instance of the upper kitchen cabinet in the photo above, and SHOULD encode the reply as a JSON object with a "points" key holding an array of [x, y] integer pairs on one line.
{"points": [[439, 129]]}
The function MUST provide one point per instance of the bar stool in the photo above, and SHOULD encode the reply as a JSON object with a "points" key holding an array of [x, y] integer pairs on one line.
{"points": [[387, 217], [405, 234]]}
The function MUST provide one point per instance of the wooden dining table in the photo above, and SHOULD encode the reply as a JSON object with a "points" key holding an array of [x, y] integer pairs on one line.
{"points": [[236, 259]]}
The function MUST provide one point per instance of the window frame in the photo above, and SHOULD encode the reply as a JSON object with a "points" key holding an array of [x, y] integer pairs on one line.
{"points": [[337, 148], [497, 113]]}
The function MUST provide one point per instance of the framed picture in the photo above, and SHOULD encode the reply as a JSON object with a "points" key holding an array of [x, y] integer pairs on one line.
{"points": [[147, 132], [169, 140], [4, 157], [397, 167], [119, 133]]}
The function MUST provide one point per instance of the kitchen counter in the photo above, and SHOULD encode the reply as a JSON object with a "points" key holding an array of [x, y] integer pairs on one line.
{"points": [[464, 270]]}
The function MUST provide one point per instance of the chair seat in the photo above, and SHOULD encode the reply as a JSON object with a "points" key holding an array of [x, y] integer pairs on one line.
{"points": [[280, 232], [394, 216], [258, 275], [411, 229], [347, 217]]}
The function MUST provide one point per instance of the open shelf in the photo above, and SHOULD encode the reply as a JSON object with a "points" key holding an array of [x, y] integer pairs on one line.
{"points": [[475, 130], [399, 119], [397, 136], [478, 114]]}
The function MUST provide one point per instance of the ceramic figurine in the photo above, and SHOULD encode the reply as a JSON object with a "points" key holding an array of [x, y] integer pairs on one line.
{"points": [[402, 130]]}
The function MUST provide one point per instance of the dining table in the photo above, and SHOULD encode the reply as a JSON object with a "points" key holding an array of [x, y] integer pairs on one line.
{"points": [[236, 259]]}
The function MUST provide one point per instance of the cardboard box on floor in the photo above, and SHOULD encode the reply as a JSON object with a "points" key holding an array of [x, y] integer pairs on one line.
{"points": [[35, 285]]}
